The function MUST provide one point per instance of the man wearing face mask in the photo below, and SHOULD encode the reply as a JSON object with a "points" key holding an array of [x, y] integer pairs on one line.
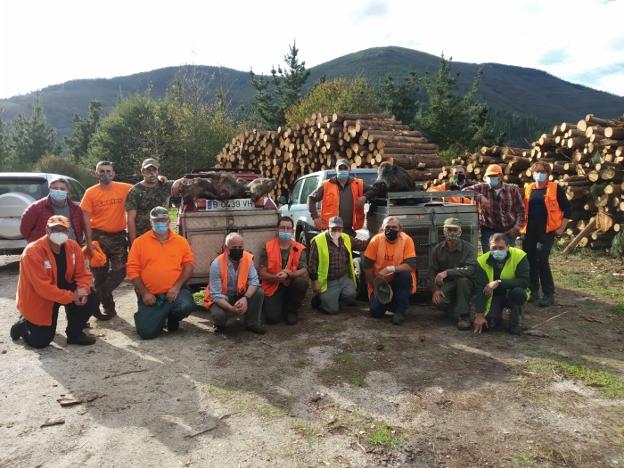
{"points": [[105, 221], [452, 268], [391, 256], [331, 267], [34, 220], [341, 196], [160, 263], [501, 280], [283, 275], [234, 290], [144, 196], [501, 206], [457, 181], [53, 273]]}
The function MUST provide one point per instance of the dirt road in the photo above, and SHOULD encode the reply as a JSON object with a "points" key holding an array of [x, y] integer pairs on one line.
{"points": [[331, 391]]}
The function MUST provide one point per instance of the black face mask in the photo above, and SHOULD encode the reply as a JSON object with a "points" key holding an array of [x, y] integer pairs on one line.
{"points": [[236, 254], [460, 178], [391, 234]]}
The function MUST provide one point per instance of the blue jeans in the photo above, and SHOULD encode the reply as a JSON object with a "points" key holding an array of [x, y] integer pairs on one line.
{"points": [[401, 290], [150, 320], [486, 233]]}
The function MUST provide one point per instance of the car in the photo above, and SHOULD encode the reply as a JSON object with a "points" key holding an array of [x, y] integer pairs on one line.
{"points": [[17, 191]]}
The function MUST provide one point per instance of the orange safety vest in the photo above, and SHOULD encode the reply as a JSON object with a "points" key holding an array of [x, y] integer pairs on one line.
{"points": [[554, 215], [243, 274], [274, 263], [330, 205], [381, 261], [442, 188]]}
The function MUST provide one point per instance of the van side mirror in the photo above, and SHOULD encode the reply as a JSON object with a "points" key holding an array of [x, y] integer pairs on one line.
{"points": [[282, 200]]}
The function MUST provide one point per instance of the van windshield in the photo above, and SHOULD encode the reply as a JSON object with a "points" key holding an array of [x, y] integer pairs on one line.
{"points": [[36, 188]]}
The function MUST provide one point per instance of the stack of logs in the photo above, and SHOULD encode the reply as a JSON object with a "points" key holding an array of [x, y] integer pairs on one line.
{"points": [[587, 159], [364, 139]]}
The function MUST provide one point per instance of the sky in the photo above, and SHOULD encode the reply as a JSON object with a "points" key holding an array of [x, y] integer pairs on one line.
{"points": [[50, 42]]}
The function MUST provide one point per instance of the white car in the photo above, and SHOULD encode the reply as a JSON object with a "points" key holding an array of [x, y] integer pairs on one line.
{"points": [[17, 191]]}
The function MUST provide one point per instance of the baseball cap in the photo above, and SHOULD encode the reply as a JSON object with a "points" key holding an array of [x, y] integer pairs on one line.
{"points": [[493, 169], [382, 290], [159, 212], [150, 162], [343, 162], [335, 221], [58, 220], [452, 223]]}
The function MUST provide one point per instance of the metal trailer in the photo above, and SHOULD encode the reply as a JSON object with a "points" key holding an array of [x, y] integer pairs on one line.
{"points": [[422, 215], [205, 229]]}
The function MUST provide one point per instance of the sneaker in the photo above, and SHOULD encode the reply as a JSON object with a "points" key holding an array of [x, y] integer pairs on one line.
{"points": [[547, 301], [257, 329], [173, 324], [464, 323], [83, 339], [515, 328], [98, 314], [18, 329], [292, 317], [398, 318]]}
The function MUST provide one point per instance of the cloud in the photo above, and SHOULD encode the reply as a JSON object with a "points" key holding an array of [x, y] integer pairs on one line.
{"points": [[372, 9], [554, 57], [594, 75]]}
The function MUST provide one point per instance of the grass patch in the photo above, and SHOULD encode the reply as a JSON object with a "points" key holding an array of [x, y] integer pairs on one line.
{"points": [[386, 436], [522, 459], [610, 384], [347, 368], [618, 309], [305, 430]]}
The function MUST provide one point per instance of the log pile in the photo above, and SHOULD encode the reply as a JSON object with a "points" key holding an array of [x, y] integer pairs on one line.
{"points": [[364, 139], [587, 159]]}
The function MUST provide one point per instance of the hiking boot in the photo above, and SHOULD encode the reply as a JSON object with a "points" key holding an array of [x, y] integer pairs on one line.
{"points": [[257, 329], [515, 320], [82, 339], [315, 302], [173, 324], [464, 323], [18, 329], [292, 317], [535, 297], [547, 301], [398, 318]]}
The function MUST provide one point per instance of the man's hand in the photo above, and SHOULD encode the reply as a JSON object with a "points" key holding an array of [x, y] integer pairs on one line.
{"points": [[162, 179], [479, 324], [240, 306], [513, 232], [490, 287], [89, 248], [316, 287], [360, 202], [484, 201], [172, 294], [148, 298], [560, 230], [437, 297], [386, 271], [317, 222], [282, 276], [440, 277]]}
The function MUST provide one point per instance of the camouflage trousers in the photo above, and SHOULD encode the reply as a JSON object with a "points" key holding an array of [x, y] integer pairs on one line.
{"points": [[107, 278]]}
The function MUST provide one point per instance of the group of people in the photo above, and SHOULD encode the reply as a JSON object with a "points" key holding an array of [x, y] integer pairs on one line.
{"points": [[114, 215]]}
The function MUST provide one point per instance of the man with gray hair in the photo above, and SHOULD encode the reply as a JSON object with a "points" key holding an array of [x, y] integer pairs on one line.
{"points": [[234, 290]]}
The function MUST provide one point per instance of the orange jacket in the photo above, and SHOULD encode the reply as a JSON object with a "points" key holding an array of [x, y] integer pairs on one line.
{"points": [[442, 188], [274, 263], [554, 214], [243, 274], [36, 287], [385, 253], [330, 205]]}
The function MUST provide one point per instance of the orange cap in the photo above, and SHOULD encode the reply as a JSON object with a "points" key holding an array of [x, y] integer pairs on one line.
{"points": [[58, 220], [493, 169]]}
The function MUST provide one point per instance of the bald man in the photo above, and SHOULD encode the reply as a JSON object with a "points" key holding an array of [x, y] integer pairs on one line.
{"points": [[234, 292]]}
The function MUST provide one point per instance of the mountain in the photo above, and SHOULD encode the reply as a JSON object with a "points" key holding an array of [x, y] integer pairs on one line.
{"points": [[507, 89]]}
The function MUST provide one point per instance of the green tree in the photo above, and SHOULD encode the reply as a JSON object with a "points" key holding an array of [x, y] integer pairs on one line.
{"points": [[32, 137], [400, 98], [341, 95], [65, 166], [4, 146], [84, 129]]}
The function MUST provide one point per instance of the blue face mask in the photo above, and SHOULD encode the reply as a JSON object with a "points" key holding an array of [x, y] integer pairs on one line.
{"points": [[160, 228], [499, 254], [492, 181], [342, 175], [58, 195], [539, 177], [285, 236]]}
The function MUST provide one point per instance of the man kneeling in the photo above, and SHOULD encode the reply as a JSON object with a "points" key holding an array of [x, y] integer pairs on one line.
{"points": [[53, 273], [391, 257], [160, 263], [234, 290]]}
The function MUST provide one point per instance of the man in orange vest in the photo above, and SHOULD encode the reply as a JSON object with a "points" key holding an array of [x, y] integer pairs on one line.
{"points": [[457, 181], [283, 274], [391, 257], [53, 273], [234, 290], [341, 196]]}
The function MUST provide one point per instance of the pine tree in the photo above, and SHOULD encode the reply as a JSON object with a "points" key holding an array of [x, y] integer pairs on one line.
{"points": [[400, 99], [84, 129]]}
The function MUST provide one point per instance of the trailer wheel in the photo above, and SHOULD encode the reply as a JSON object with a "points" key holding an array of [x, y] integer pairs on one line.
{"points": [[362, 290]]}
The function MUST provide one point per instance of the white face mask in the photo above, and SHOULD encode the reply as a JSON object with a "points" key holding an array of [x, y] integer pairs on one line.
{"points": [[335, 236], [58, 238]]}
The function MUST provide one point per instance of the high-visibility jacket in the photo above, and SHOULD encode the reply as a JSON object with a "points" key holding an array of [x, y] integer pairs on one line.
{"points": [[508, 272], [244, 265], [274, 263], [330, 204], [323, 258], [442, 188], [554, 214], [382, 260], [37, 289]]}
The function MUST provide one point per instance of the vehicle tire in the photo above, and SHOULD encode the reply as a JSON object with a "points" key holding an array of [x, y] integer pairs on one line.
{"points": [[12, 206], [302, 238]]}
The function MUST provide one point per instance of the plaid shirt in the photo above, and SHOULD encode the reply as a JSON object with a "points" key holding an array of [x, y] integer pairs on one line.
{"points": [[505, 210], [338, 258]]}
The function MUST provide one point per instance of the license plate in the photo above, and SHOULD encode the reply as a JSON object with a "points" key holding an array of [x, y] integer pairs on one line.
{"points": [[236, 204]]}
